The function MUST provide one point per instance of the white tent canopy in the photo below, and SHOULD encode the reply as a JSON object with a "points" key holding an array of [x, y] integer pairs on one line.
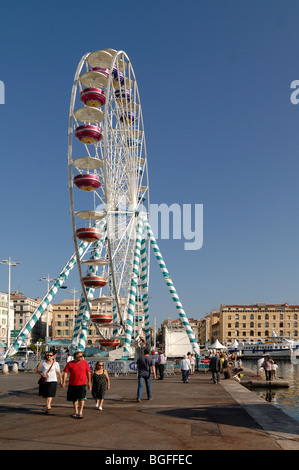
{"points": [[216, 345]]}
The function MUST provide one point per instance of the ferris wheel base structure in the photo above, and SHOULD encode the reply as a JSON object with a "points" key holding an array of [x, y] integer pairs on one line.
{"points": [[145, 232]]}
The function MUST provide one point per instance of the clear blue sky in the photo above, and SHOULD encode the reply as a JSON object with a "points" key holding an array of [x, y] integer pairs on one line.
{"points": [[221, 131]]}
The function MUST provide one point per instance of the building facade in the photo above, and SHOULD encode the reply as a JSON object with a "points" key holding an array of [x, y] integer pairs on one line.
{"points": [[64, 318], [253, 322], [3, 317], [258, 321], [24, 307]]}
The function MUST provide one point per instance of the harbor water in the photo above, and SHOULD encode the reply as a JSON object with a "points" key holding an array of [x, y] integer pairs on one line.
{"points": [[287, 399]]}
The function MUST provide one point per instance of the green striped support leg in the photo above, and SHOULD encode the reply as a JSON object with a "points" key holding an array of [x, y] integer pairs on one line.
{"points": [[45, 302], [144, 282], [133, 290], [172, 289]]}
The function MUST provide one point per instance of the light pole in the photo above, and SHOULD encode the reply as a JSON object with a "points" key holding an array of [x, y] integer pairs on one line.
{"points": [[10, 264], [74, 291], [48, 279]]}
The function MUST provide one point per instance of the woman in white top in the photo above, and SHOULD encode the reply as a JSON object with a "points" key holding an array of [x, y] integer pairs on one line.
{"points": [[185, 369], [48, 369]]}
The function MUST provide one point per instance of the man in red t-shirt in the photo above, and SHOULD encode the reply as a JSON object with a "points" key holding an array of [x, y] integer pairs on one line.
{"points": [[79, 371]]}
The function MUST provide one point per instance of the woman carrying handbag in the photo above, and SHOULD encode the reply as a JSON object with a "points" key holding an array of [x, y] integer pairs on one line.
{"points": [[48, 370]]}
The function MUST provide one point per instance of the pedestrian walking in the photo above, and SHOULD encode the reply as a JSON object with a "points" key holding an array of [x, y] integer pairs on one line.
{"points": [[145, 365], [79, 377], [267, 365], [48, 370], [100, 382], [161, 364], [185, 368], [192, 363], [215, 368]]}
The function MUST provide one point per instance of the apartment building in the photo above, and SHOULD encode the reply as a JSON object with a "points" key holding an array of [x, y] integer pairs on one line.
{"points": [[24, 307], [258, 321], [3, 316]]}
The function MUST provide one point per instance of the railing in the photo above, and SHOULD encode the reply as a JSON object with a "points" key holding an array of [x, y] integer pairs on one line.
{"points": [[115, 368]]}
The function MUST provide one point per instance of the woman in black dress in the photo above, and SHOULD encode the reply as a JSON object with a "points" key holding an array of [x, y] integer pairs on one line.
{"points": [[100, 383]]}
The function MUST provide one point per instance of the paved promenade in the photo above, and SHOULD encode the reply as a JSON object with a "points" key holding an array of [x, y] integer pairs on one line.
{"points": [[199, 415]]}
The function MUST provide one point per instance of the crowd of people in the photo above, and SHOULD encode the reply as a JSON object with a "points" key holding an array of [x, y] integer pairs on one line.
{"points": [[80, 377], [228, 364]]}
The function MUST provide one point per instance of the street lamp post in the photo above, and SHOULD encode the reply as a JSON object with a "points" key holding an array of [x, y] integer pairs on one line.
{"points": [[48, 279], [10, 264], [74, 291]]}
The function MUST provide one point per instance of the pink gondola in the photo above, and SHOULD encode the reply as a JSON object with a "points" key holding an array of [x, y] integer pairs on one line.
{"points": [[87, 182], [88, 234], [93, 97], [88, 134], [101, 318], [102, 70], [94, 282]]}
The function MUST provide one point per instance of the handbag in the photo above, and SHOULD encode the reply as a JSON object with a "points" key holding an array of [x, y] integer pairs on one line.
{"points": [[43, 380]]}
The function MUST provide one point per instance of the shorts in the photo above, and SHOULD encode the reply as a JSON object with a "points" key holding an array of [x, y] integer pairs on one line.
{"points": [[76, 392]]}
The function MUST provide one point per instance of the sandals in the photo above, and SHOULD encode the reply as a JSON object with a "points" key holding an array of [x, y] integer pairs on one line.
{"points": [[77, 416]]}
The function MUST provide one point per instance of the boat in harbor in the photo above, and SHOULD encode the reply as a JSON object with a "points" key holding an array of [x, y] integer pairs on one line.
{"points": [[279, 347]]}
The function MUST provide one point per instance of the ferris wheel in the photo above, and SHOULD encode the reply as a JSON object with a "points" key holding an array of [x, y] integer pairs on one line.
{"points": [[109, 207], [108, 184]]}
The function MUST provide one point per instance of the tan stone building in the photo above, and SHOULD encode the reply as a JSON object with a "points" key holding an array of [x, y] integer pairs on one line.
{"points": [[258, 321], [64, 317], [249, 323], [24, 307], [209, 328]]}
